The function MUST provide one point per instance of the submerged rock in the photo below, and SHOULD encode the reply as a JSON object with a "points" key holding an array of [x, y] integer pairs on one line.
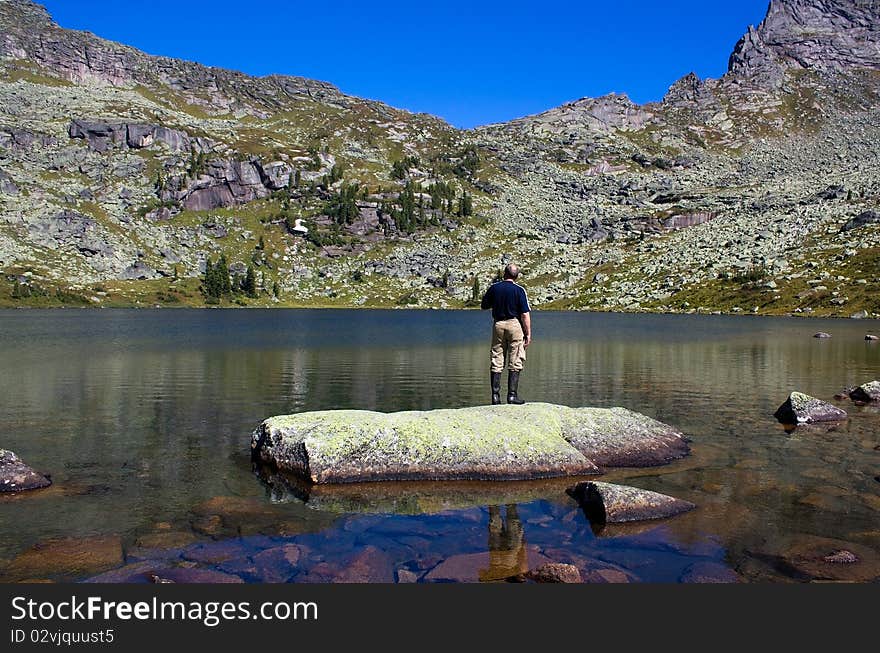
{"points": [[804, 409], [868, 392], [605, 503], [68, 557], [477, 443], [15, 476], [822, 335]]}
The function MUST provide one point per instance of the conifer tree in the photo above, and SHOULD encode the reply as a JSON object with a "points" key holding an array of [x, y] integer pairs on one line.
{"points": [[250, 282]]}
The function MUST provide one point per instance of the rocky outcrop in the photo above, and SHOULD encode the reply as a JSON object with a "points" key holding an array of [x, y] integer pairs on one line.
{"points": [[477, 443], [605, 503], [15, 476], [823, 35], [102, 136], [27, 32], [862, 219], [869, 392], [804, 409]]}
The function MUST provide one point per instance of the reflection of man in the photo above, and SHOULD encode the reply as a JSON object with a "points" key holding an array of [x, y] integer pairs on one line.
{"points": [[507, 550], [511, 333]]}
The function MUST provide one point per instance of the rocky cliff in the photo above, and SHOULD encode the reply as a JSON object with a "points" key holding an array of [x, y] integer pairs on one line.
{"points": [[122, 175]]}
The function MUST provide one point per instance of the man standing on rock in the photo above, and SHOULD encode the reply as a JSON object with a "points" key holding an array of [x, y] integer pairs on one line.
{"points": [[511, 333]]}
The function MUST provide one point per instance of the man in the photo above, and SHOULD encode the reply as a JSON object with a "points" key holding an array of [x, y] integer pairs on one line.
{"points": [[511, 334]]}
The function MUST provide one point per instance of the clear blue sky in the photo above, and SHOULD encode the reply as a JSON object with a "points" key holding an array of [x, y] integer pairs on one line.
{"points": [[471, 63]]}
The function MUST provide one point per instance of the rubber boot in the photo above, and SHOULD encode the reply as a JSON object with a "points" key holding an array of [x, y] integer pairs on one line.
{"points": [[496, 388], [512, 387]]}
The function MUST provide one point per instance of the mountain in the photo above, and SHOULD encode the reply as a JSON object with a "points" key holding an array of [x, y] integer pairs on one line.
{"points": [[124, 175]]}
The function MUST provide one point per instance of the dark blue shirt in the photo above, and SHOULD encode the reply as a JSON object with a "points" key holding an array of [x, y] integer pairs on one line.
{"points": [[506, 299]]}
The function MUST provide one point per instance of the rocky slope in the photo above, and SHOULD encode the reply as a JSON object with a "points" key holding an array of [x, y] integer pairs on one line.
{"points": [[122, 174]]}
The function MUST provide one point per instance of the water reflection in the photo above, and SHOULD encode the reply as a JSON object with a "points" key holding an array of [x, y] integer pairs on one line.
{"points": [[507, 550], [141, 416]]}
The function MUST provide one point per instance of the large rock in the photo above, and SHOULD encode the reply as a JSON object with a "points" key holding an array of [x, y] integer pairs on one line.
{"points": [[15, 476], [804, 409], [862, 219], [476, 443], [605, 503], [868, 392]]}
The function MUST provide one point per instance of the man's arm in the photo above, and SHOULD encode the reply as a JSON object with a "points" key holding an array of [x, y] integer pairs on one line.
{"points": [[487, 299], [526, 321]]}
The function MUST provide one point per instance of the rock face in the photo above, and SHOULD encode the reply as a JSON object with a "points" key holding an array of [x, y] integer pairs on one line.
{"points": [[477, 443], [812, 35], [869, 392], [804, 409], [605, 503], [15, 476]]}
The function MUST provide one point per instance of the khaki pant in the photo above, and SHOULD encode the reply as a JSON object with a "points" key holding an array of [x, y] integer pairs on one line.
{"points": [[507, 342]]}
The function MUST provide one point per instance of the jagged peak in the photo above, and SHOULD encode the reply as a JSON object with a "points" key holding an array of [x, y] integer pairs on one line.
{"points": [[824, 35]]}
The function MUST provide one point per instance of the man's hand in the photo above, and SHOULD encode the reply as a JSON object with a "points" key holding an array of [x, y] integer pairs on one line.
{"points": [[527, 340]]}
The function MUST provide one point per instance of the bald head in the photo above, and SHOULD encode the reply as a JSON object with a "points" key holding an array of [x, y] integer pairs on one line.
{"points": [[511, 272]]}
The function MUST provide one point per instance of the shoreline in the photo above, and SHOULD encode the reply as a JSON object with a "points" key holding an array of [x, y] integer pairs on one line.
{"points": [[336, 307]]}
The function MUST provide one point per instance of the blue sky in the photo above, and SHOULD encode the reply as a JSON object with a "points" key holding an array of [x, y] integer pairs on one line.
{"points": [[471, 63]]}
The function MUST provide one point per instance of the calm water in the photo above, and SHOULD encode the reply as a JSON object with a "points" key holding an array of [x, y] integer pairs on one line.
{"points": [[143, 420]]}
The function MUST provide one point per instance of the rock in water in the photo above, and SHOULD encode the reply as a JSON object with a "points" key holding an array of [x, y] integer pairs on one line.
{"points": [[476, 443], [15, 476], [867, 393], [555, 572], [804, 409], [822, 335], [604, 503]]}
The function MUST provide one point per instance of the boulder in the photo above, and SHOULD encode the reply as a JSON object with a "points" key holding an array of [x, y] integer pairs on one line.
{"points": [[869, 392], [804, 409], [872, 338], [862, 219], [477, 443], [822, 335], [605, 503], [15, 476]]}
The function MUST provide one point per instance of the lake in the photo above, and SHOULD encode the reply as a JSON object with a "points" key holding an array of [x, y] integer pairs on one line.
{"points": [[143, 420]]}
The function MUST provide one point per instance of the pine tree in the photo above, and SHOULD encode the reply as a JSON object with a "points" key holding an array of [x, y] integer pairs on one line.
{"points": [[211, 282], [224, 284], [250, 282], [475, 291], [275, 289]]}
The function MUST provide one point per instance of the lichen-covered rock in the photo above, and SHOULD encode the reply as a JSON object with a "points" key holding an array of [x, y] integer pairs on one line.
{"points": [[476, 443], [868, 392], [15, 476], [605, 503], [804, 409]]}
